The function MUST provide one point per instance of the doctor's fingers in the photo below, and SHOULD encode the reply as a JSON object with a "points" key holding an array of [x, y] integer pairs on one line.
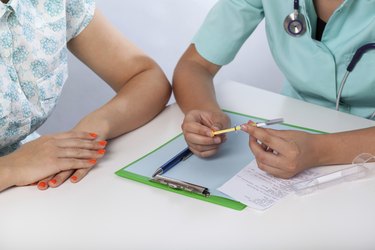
{"points": [[263, 155], [275, 164], [202, 137], [205, 147], [277, 172], [196, 128], [215, 120], [208, 148], [269, 139], [204, 151]]}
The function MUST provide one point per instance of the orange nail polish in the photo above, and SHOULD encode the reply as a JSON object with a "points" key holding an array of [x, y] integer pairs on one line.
{"points": [[53, 181], [74, 178], [101, 151], [103, 143], [92, 161], [42, 184], [93, 135]]}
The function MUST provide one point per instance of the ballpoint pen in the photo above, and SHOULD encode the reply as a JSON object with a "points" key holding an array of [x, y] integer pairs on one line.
{"points": [[256, 124], [175, 183], [183, 155]]}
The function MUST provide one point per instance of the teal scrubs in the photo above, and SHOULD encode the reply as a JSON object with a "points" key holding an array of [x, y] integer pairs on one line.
{"points": [[313, 69]]}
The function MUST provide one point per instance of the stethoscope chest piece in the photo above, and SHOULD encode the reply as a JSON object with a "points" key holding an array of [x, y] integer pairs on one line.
{"points": [[295, 24]]}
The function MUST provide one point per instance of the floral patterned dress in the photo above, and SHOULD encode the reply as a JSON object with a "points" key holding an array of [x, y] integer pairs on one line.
{"points": [[33, 61]]}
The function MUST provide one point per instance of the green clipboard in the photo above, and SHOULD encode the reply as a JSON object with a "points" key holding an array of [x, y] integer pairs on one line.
{"points": [[212, 172]]}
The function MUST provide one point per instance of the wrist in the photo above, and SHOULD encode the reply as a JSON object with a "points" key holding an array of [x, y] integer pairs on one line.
{"points": [[322, 149], [101, 127]]}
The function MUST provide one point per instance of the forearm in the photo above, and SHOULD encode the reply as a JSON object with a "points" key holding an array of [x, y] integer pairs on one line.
{"points": [[193, 86], [6, 178], [341, 148], [136, 103]]}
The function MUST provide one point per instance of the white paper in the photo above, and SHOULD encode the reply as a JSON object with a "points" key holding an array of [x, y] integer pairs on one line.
{"points": [[259, 190]]}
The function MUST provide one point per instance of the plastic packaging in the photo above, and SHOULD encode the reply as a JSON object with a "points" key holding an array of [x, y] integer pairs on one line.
{"points": [[359, 169]]}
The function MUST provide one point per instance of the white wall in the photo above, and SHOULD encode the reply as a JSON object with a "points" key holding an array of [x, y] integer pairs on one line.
{"points": [[163, 29]]}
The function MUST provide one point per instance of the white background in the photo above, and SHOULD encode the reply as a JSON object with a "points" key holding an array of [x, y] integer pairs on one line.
{"points": [[163, 29]]}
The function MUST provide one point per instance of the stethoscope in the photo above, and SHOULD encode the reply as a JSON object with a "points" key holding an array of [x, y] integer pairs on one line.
{"points": [[295, 25]]}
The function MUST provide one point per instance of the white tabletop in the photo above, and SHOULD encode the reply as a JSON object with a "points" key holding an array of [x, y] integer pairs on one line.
{"points": [[105, 211]]}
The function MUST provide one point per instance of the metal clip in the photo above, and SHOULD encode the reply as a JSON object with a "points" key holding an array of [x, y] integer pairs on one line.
{"points": [[182, 185]]}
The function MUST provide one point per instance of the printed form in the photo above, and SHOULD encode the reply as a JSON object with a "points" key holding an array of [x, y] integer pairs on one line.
{"points": [[259, 190]]}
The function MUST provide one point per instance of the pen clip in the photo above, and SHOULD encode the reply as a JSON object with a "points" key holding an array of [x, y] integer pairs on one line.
{"points": [[181, 185]]}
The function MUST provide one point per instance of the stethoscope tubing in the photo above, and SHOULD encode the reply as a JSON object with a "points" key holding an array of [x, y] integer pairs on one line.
{"points": [[298, 18], [353, 62]]}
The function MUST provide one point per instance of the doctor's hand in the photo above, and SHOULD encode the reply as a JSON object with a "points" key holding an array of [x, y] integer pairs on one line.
{"points": [[197, 128], [43, 159], [282, 153]]}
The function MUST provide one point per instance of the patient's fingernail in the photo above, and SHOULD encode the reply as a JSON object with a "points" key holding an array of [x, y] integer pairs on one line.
{"points": [[103, 143], [42, 184], [53, 181], [92, 161], [93, 135], [74, 178], [101, 151]]}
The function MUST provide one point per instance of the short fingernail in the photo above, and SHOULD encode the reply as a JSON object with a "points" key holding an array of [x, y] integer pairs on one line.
{"points": [[103, 143], [92, 161], [93, 135], [217, 140], [42, 184], [53, 181], [74, 178], [215, 128], [101, 151], [243, 127]]}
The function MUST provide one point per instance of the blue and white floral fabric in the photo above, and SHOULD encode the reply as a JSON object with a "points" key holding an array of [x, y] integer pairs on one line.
{"points": [[33, 61]]}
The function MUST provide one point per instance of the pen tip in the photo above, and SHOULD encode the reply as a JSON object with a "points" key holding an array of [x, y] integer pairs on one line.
{"points": [[158, 171]]}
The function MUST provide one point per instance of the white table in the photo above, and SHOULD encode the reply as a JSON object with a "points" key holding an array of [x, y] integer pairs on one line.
{"points": [[105, 211]]}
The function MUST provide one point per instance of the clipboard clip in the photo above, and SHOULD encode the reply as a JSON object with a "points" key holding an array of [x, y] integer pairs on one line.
{"points": [[182, 185]]}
